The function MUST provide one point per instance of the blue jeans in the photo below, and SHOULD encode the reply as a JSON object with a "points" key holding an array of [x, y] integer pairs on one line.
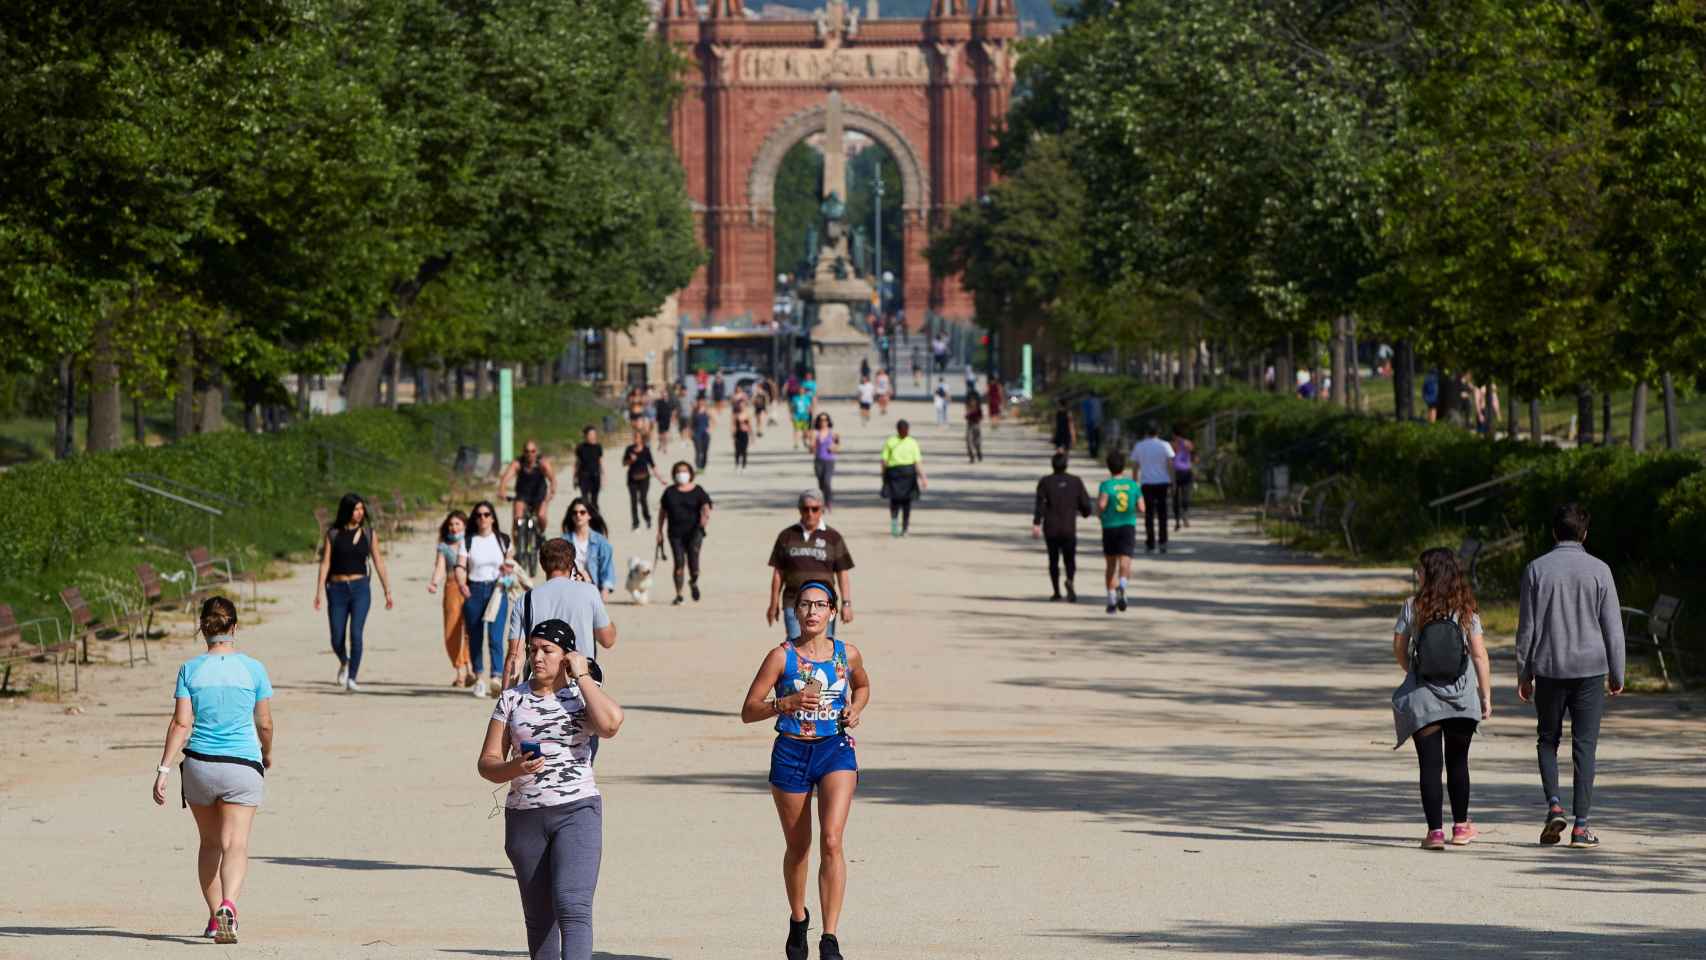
{"points": [[791, 621], [347, 602], [473, 610]]}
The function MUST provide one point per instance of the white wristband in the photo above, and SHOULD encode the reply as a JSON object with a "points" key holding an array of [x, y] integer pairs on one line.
{"points": [[164, 769]]}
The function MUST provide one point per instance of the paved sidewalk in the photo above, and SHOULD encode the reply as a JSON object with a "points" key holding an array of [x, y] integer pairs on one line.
{"points": [[1208, 775]]}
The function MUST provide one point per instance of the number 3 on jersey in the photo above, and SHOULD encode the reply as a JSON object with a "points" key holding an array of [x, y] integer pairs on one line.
{"points": [[1122, 501]]}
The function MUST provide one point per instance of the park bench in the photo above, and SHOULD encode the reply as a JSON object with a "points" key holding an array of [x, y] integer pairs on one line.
{"points": [[15, 649], [1312, 504], [152, 592], [1660, 629], [84, 623], [1276, 487], [1345, 516], [208, 572], [1472, 552]]}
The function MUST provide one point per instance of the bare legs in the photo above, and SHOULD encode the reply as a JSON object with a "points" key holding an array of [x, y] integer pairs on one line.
{"points": [[222, 861], [835, 800]]}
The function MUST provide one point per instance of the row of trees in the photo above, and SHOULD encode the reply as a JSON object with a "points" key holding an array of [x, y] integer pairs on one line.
{"points": [[209, 195], [1510, 188]]}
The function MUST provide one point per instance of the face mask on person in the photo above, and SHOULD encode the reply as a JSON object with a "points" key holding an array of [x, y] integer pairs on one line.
{"points": [[682, 476]]}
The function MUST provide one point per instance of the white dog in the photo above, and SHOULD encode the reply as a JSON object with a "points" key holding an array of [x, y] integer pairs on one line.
{"points": [[639, 580]]}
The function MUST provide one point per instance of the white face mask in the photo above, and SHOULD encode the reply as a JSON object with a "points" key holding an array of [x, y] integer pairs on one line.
{"points": [[682, 476]]}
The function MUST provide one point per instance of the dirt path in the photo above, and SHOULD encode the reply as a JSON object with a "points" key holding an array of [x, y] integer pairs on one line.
{"points": [[1208, 775]]}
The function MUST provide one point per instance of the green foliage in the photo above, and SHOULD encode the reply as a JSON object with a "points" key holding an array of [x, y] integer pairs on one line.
{"points": [[799, 182]]}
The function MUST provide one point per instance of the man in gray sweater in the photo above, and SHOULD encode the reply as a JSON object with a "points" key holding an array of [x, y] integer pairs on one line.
{"points": [[1569, 654]]}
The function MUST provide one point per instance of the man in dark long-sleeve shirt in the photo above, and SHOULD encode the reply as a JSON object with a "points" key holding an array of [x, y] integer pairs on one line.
{"points": [[1569, 655], [1061, 500]]}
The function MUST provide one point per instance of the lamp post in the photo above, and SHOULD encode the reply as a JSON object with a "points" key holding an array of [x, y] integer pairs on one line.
{"points": [[877, 236]]}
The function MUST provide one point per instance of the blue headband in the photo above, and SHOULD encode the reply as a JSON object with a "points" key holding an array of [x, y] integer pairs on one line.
{"points": [[820, 585]]}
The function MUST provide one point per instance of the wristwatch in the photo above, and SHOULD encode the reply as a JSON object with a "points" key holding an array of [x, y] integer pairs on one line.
{"points": [[163, 769]]}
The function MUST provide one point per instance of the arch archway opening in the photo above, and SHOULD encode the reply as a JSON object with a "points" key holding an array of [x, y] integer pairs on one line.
{"points": [[879, 250]]}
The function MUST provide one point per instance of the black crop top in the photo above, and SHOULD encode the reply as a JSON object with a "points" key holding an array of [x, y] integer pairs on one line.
{"points": [[349, 554]]}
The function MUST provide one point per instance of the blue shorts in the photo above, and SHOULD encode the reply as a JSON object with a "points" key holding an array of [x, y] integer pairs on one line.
{"points": [[796, 766]]}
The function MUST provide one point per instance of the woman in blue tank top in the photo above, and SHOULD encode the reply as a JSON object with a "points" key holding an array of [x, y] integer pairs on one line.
{"points": [[816, 689]]}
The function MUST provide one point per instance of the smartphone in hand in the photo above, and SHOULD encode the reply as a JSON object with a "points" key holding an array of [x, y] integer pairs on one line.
{"points": [[531, 749]]}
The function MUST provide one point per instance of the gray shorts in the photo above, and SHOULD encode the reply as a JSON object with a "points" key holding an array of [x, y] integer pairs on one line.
{"points": [[208, 782]]}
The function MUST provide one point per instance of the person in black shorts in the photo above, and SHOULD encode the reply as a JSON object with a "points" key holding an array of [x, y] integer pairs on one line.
{"points": [[589, 466], [535, 482], [663, 411], [637, 457], [684, 512]]}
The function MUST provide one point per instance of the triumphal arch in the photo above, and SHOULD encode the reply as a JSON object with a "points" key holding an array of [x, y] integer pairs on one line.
{"points": [[931, 91]]}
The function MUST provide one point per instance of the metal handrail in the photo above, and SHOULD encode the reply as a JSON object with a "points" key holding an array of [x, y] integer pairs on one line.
{"points": [[1479, 488], [213, 513], [187, 489]]}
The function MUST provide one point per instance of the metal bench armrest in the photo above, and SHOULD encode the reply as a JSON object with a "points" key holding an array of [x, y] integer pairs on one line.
{"points": [[41, 635]]}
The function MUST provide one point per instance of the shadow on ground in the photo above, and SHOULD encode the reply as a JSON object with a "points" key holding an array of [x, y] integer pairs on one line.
{"points": [[1408, 941]]}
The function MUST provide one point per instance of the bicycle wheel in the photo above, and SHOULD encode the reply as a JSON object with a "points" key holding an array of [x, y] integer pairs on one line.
{"points": [[530, 548]]}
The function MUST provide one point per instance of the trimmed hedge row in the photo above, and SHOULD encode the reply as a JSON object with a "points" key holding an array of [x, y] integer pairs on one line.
{"points": [[58, 513], [1649, 510]]}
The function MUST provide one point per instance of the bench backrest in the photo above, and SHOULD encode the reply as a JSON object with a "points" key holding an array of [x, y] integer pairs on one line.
{"points": [[152, 587], [10, 635], [76, 607], [199, 559], [322, 519], [1663, 616], [1467, 553]]}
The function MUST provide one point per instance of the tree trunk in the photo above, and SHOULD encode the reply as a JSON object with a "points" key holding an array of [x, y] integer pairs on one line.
{"points": [[1336, 353], [1353, 368], [1488, 411], [251, 417], [1670, 412], [302, 395], [461, 383], [394, 376], [1638, 418], [1584, 416], [106, 405], [1534, 419], [1510, 416], [65, 410], [137, 425], [1404, 381], [212, 411], [479, 380], [1605, 437], [1285, 374], [183, 400]]}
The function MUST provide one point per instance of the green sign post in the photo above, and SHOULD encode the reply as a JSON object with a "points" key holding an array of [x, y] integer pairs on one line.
{"points": [[1025, 360], [506, 415]]}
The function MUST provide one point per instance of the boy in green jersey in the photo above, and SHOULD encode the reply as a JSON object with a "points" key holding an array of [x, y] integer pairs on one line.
{"points": [[1119, 500]]}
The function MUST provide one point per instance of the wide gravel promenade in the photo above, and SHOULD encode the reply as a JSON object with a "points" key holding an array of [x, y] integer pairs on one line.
{"points": [[1207, 775]]}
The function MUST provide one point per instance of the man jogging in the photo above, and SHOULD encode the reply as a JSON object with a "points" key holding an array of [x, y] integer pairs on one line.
{"points": [[1119, 501], [1569, 656], [1152, 465], [1061, 500], [804, 552]]}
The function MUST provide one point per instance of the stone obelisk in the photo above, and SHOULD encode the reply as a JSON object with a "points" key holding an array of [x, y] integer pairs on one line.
{"points": [[834, 149]]}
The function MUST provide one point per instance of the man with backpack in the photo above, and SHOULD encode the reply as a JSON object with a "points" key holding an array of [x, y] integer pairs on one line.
{"points": [[1569, 656]]}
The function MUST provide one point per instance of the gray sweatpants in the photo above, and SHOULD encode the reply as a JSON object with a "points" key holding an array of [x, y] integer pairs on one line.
{"points": [[555, 852]]}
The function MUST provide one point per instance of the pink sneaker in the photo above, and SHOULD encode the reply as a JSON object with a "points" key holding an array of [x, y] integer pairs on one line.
{"points": [[1462, 833], [225, 923], [1435, 840]]}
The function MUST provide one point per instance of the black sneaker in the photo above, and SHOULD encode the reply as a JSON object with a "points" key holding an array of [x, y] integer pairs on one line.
{"points": [[677, 601], [1071, 594], [1055, 598], [1555, 824], [1119, 599], [1163, 548], [1111, 608], [795, 948], [828, 948], [1581, 838], [695, 589]]}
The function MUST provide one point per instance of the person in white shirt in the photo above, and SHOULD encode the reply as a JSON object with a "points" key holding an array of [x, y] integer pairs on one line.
{"points": [[867, 396], [1152, 467]]}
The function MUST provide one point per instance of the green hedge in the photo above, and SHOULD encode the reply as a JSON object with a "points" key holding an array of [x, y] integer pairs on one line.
{"points": [[75, 520], [1649, 510]]}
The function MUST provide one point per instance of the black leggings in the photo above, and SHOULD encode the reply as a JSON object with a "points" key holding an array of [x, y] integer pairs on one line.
{"points": [[1445, 745], [637, 505], [903, 510], [825, 470], [741, 440], [1182, 495], [686, 548], [1062, 548]]}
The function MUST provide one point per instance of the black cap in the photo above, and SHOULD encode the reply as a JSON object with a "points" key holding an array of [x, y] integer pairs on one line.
{"points": [[560, 633]]}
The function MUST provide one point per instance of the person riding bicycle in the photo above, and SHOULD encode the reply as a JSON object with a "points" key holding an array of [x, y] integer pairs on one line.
{"points": [[535, 483]]}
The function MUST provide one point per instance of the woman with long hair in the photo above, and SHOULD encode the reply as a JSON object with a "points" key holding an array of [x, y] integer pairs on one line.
{"points": [[222, 721], [1184, 474], [595, 559], [487, 558], [448, 572], [348, 546], [816, 689], [826, 443], [1437, 711]]}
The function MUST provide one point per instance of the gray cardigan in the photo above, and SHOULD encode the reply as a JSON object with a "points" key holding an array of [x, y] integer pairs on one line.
{"points": [[1568, 621]]}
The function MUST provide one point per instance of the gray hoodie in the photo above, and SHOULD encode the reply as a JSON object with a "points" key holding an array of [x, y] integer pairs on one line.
{"points": [[1569, 623]]}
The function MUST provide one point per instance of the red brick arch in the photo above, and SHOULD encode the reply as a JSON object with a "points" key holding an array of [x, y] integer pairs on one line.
{"points": [[930, 91]]}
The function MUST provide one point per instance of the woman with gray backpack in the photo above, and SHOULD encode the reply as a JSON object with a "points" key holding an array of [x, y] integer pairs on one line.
{"points": [[1436, 641]]}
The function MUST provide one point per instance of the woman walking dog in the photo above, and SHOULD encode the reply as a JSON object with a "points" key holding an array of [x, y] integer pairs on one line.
{"points": [[222, 721], [816, 689]]}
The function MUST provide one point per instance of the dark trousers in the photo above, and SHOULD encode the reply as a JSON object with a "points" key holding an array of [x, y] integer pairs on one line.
{"points": [[1182, 496], [347, 602], [903, 510], [637, 505], [685, 551], [701, 450], [742, 438], [1155, 513], [974, 442], [589, 490], [1583, 698], [1061, 549], [1093, 439], [555, 852]]}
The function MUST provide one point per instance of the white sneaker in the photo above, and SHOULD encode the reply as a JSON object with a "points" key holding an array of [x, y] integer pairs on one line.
{"points": [[343, 674], [479, 687], [352, 686]]}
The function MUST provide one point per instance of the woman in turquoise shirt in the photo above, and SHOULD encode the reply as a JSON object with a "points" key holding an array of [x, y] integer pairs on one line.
{"points": [[223, 724]]}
